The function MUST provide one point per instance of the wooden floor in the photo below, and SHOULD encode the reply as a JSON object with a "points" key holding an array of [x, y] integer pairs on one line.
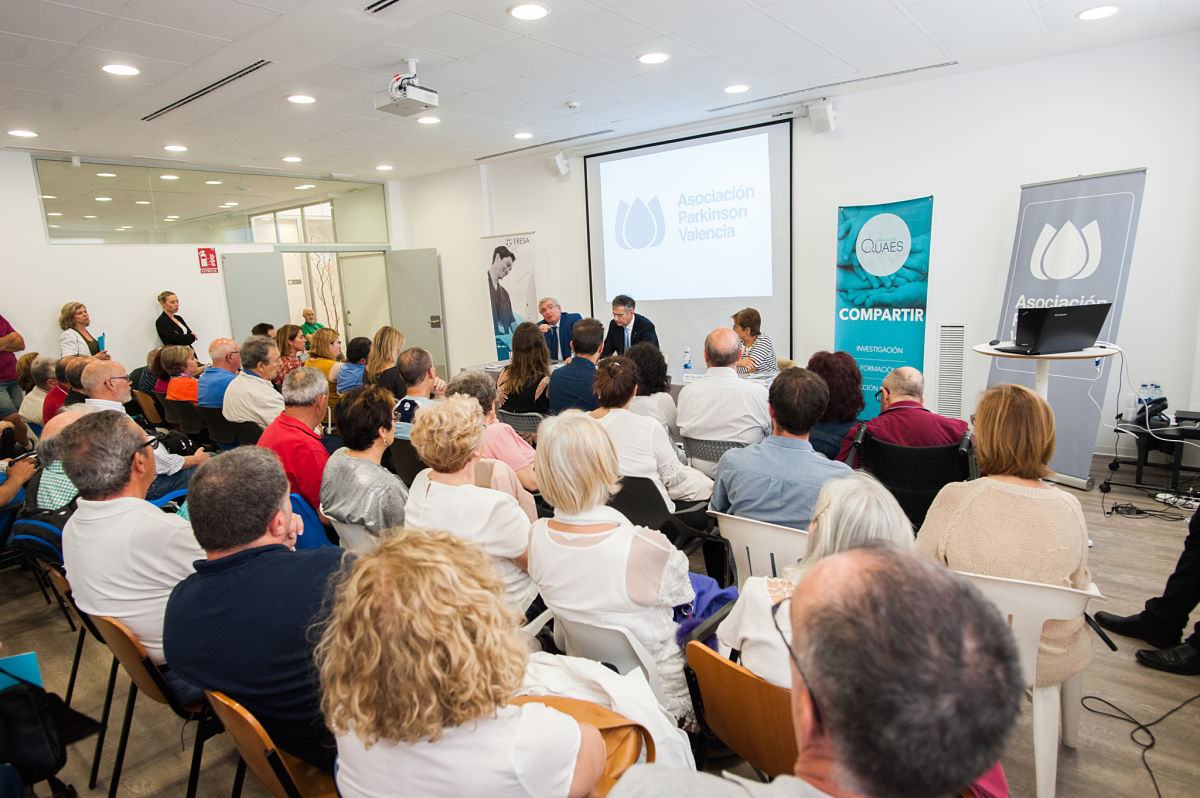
{"points": [[1130, 562]]}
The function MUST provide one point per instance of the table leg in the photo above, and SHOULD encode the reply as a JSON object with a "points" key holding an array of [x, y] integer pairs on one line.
{"points": [[1042, 380]]}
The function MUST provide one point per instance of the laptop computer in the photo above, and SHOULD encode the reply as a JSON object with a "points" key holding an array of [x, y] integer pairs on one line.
{"points": [[1050, 331]]}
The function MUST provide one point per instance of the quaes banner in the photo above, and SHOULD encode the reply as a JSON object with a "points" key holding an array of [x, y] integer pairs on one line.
{"points": [[882, 282], [509, 276], [1073, 246]]}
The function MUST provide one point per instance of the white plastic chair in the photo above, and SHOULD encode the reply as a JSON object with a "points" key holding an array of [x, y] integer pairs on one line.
{"points": [[354, 537], [1028, 605], [759, 548], [610, 644]]}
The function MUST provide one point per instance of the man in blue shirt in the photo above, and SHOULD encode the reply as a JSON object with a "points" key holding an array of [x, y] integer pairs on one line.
{"points": [[778, 480], [350, 375], [573, 385], [226, 362]]}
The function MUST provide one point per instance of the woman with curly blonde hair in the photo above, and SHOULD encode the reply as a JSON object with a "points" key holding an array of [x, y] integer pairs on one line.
{"points": [[418, 661]]}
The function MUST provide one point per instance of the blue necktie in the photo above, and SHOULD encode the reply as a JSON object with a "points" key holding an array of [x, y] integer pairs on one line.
{"points": [[554, 342], [627, 337]]}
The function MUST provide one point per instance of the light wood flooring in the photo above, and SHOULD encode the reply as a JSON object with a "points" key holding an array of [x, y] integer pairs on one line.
{"points": [[1130, 562]]}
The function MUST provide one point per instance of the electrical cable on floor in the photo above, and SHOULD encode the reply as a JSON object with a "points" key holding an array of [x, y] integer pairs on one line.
{"points": [[1148, 742], [1131, 510]]}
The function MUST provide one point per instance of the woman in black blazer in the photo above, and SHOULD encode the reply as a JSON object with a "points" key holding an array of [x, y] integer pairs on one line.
{"points": [[172, 329]]}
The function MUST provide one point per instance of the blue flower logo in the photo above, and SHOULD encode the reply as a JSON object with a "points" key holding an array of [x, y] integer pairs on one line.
{"points": [[640, 225]]}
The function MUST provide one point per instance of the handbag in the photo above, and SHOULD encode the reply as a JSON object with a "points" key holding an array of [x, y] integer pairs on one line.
{"points": [[35, 728], [623, 738]]}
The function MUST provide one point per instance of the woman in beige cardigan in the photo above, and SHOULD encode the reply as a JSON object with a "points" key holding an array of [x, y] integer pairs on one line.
{"points": [[1011, 523]]}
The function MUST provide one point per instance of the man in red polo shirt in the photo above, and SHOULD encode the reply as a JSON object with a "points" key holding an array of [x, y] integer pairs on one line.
{"points": [[903, 418], [294, 434]]}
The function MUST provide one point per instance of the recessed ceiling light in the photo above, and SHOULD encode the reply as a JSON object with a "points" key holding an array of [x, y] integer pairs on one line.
{"points": [[306, 185], [384, 167], [53, 225], [175, 148], [173, 216], [737, 88], [654, 58], [168, 177], [301, 99], [1099, 12], [212, 182], [292, 158], [231, 204], [428, 120], [170, 218], [23, 134], [527, 12], [523, 135], [55, 213], [49, 196], [142, 202], [103, 199], [125, 227], [105, 174], [89, 217], [121, 69]]}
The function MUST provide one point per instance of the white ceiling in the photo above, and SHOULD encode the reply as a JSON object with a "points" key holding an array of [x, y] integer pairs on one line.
{"points": [[495, 75]]}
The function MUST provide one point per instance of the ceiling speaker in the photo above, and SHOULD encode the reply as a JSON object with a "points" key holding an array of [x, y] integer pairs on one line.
{"points": [[822, 116], [561, 167]]}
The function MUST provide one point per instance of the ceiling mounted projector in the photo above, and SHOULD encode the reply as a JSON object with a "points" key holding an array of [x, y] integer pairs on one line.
{"points": [[404, 97]]}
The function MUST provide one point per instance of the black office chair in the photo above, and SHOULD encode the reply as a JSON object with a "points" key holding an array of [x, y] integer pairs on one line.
{"points": [[221, 430], [689, 527], [915, 474], [405, 462], [524, 423], [168, 411], [249, 432], [186, 416]]}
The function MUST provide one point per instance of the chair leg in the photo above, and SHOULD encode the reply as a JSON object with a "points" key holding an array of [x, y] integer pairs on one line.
{"points": [[108, 697], [62, 605], [197, 755], [75, 666], [124, 740], [1072, 692], [1046, 711], [238, 777]]}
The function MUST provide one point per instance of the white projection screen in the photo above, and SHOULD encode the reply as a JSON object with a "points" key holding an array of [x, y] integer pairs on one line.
{"points": [[694, 230]]}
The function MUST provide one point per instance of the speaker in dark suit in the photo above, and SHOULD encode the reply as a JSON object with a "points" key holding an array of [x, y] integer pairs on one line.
{"points": [[640, 328], [556, 326]]}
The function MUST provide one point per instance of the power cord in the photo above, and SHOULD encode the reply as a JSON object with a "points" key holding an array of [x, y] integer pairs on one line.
{"points": [[1130, 510], [1148, 741]]}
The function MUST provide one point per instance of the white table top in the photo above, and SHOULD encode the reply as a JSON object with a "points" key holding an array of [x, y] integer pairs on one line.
{"points": [[1091, 353]]}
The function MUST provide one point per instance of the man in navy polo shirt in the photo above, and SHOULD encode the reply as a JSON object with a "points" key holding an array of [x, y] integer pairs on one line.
{"points": [[573, 385]]}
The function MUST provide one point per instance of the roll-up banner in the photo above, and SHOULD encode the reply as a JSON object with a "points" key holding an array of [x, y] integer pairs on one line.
{"points": [[1073, 246], [882, 282], [509, 276]]}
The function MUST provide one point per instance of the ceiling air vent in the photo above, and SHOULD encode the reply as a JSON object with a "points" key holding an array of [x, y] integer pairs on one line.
{"points": [[209, 89], [824, 86], [544, 144], [379, 6]]}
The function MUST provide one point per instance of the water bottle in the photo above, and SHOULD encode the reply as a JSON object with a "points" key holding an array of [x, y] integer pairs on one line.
{"points": [[1156, 391], [687, 358]]}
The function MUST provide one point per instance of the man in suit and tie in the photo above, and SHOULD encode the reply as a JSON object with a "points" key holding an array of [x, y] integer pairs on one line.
{"points": [[556, 326], [627, 328]]}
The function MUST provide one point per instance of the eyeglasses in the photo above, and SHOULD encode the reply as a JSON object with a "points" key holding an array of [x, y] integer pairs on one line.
{"points": [[125, 377], [811, 698], [879, 395], [151, 441]]}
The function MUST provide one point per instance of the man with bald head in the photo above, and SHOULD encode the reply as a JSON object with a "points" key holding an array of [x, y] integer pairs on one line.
{"points": [[721, 406], [226, 360], [905, 681], [108, 387], [903, 418]]}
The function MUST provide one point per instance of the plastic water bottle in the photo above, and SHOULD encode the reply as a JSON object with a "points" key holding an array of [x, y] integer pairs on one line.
{"points": [[687, 358], [1156, 392]]}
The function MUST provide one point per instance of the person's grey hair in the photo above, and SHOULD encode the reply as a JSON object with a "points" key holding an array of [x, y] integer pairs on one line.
{"points": [[477, 385], [42, 371], [546, 299], [907, 651], [97, 451], [852, 511], [255, 351], [905, 381], [721, 347], [45, 447], [232, 498], [304, 386]]}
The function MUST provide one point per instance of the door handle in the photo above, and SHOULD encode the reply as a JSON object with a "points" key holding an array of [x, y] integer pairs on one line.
{"points": [[435, 322]]}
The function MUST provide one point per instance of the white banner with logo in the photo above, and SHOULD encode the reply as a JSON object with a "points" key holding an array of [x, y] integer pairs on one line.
{"points": [[1073, 246], [511, 290]]}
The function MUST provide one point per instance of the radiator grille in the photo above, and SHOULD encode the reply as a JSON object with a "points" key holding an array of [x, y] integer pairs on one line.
{"points": [[951, 351]]}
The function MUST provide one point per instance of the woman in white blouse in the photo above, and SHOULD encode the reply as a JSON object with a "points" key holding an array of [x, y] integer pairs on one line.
{"points": [[850, 511], [643, 449], [447, 436], [653, 397], [592, 565], [418, 663], [75, 339]]}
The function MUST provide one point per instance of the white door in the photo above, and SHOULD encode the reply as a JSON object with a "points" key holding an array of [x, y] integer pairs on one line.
{"points": [[414, 278], [256, 290], [364, 294]]}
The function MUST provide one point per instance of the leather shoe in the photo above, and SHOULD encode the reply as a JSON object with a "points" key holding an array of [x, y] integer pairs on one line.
{"points": [[1139, 626], [1183, 658]]}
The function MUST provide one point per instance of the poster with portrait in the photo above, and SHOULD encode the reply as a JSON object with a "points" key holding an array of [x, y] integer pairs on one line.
{"points": [[882, 284], [512, 294]]}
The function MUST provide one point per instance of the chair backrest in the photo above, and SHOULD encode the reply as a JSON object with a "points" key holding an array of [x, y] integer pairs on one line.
{"points": [[524, 423], [220, 429], [188, 419], [354, 537], [613, 645], [314, 536], [268, 764], [640, 502], [759, 548], [249, 432], [149, 409], [1028, 605], [173, 496], [749, 714], [405, 460], [708, 450], [168, 413], [133, 658], [915, 474]]}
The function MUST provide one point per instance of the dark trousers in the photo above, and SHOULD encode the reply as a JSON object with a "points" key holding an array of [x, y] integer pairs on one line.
{"points": [[1182, 592]]}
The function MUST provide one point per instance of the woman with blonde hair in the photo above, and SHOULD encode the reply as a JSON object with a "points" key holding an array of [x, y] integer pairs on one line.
{"points": [[293, 349], [382, 370], [172, 329], [325, 352], [75, 339], [182, 367], [523, 383], [850, 511], [592, 565], [447, 436], [418, 661], [1011, 523]]}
